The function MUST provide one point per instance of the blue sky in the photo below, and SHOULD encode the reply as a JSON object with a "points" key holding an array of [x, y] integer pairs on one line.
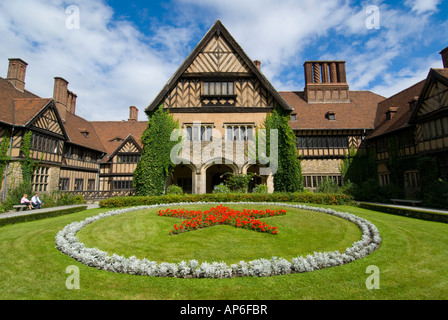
{"points": [[124, 52]]}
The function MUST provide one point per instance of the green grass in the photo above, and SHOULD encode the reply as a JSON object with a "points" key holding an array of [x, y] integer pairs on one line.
{"points": [[412, 261], [146, 235]]}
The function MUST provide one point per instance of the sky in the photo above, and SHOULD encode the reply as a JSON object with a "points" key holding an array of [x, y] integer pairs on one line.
{"points": [[117, 54]]}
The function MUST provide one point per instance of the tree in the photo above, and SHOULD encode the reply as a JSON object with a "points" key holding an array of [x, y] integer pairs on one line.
{"points": [[288, 177], [155, 163]]}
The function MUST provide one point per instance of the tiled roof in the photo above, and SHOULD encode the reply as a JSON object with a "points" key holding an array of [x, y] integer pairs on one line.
{"points": [[400, 101], [358, 114], [113, 133], [76, 128], [10, 114]]}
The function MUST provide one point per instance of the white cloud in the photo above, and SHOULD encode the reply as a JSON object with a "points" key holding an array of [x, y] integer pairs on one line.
{"points": [[406, 77], [108, 63], [111, 65], [423, 6]]}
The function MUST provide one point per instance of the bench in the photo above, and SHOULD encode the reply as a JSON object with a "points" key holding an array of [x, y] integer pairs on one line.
{"points": [[21, 207], [402, 201]]}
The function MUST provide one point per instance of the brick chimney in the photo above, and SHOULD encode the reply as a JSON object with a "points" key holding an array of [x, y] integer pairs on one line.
{"points": [[325, 81], [444, 54], [65, 99], [258, 64], [133, 114], [71, 102], [16, 73]]}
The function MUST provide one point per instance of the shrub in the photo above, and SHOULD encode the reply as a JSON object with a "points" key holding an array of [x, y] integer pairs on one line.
{"points": [[15, 195], [174, 189], [221, 188], [328, 185], [239, 182], [260, 188], [58, 198], [298, 197], [436, 195]]}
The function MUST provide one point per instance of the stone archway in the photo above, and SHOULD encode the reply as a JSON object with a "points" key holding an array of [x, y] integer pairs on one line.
{"points": [[216, 174], [182, 176], [257, 179]]}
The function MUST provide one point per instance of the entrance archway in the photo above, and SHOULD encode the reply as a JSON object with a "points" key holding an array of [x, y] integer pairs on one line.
{"points": [[215, 175], [257, 179], [182, 176]]}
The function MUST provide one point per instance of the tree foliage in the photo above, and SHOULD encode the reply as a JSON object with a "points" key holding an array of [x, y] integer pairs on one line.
{"points": [[288, 177], [155, 163]]}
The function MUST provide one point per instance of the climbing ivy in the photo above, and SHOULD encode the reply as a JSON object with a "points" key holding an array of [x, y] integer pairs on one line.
{"points": [[155, 163], [28, 165], [4, 158], [288, 177]]}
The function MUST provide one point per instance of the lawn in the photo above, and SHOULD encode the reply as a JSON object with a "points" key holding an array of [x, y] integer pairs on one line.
{"points": [[412, 258]]}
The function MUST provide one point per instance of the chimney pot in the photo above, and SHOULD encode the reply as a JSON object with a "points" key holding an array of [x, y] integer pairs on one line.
{"points": [[60, 96], [133, 113], [16, 73], [258, 64], [444, 54]]}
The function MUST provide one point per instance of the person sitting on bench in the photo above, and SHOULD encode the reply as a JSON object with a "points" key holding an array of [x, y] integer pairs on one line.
{"points": [[35, 202], [25, 201]]}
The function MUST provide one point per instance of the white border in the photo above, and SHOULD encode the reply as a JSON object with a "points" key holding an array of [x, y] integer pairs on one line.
{"points": [[67, 243]]}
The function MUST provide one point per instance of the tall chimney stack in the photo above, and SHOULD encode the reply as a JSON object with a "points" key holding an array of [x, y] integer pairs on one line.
{"points": [[133, 114], [60, 95], [326, 81], [71, 102], [16, 73], [444, 54]]}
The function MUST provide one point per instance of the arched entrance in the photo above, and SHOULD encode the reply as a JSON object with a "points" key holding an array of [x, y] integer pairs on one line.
{"points": [[216, 174], [257, 179], [182, 176]]}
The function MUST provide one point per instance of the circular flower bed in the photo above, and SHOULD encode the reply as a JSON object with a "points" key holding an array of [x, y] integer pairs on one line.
{"points": [[67, 243]]}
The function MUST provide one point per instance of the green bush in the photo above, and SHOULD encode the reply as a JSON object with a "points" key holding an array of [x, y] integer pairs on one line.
{"points": [[40, 215], [239, 182], [174, 189], [15, 195], [328, 185], [221, 188], [298, 197], [58, 198], [260, 188], [436, 195]]}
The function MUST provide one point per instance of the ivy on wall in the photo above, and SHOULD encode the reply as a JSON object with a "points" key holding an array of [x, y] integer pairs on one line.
{"points": [[4, 158], [28, 164], [288, 177], [155, 163]]}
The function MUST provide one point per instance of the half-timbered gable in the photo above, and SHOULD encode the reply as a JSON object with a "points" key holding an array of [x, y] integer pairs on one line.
{"points": [[412, 124], [218, 92], [121, 140], [430, 118]]}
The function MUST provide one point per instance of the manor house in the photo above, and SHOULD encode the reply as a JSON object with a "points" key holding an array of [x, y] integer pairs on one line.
{"points": [[218, 95]]}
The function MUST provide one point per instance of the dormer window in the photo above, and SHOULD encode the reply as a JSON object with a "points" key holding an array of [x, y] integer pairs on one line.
{"points": [[391, 112], [330, 115], [84, 132], [293, 117]]}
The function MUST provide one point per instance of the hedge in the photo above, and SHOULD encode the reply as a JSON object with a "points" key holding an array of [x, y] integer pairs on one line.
{"points": [[40, 215], [411, 213], [317, 198]]}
